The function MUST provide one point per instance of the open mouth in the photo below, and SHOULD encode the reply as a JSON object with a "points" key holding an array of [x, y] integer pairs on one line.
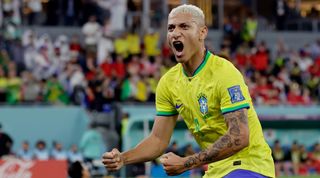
{"points": [[178, 46]]}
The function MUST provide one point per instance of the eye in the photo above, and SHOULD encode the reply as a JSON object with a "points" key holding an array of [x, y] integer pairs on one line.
{"points": [[170, 28], [184, 26]]}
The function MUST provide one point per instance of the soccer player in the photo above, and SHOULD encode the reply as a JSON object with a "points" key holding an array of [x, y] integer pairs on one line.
{"points": [[209, 93]]}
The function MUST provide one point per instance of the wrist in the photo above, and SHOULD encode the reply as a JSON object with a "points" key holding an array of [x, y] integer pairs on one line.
{"points": [[190, 162], [123, 158]]}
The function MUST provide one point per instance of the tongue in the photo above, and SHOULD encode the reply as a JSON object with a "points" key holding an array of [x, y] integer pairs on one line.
{"points": [[179, 54]]}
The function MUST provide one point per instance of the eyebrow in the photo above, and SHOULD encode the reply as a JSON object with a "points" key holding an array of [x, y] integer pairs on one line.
{"points": [[177, 24]]}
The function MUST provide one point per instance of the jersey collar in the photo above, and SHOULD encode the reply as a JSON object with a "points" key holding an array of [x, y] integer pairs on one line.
{"points": [[200, 67]]}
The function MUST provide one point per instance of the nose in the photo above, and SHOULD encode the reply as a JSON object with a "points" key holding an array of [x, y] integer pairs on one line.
{"points": [[176, 34]]}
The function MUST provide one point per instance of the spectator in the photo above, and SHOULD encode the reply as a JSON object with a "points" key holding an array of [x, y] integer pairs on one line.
{"points": [[58, 153], [6, 143], [294, 96], [119, 67], [121, 45], [281, 9], [78, 170], [61, 46], [118, 12], [74, 154], [91, 144], [314, 157], [30, 89], [134, 41], [295, 157], [260, 60], [315, 49], [24, 152], [41, 152], [151, 43], [249, 30], [14, 85], [75, 46], [3, 85], [105, 46], [35, 9], [92, 33], [55, 92], [304, 161], [305, 61], [278, 155]]}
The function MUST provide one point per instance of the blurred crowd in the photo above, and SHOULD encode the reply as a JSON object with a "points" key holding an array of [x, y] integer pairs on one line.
{"points": [[296, 159], [88, 152], [276, 75], [101, 66], [63, 12]]}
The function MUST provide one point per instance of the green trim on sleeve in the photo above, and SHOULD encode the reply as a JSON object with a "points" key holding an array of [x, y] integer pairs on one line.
{"points": [[166, 113], [235, 108]]}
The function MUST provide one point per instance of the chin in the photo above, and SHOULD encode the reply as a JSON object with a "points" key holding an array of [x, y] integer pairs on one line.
{"points": [[180, 60]]}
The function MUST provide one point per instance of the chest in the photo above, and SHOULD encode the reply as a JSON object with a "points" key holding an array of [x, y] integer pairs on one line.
{"points": [[196, 97]]}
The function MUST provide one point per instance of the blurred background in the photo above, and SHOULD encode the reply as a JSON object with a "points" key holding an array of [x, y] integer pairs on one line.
{"points": [[78, 78]]}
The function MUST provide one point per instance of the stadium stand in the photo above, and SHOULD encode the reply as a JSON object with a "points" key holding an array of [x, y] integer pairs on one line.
{"points": [[95, 65]]}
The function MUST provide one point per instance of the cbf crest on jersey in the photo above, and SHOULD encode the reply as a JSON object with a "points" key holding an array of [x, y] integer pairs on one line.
{"points": [[235, 94], [203, 103]]}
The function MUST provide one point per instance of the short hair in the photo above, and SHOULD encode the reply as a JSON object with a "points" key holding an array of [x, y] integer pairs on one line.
{"points": [[75, 170], [195, 11]]}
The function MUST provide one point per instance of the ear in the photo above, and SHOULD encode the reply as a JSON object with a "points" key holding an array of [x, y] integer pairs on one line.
{"points": [[203, 33]]}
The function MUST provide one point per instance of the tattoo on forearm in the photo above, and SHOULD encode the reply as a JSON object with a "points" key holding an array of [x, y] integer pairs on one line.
{"points": [[225, 145], [191, 161]]}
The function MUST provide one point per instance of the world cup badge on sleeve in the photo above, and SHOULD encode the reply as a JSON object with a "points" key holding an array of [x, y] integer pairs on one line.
{"points": [[235, 94]]}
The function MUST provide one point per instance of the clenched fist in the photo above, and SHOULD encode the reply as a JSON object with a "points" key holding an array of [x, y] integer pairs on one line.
{"points": [[112, 160], [173, 164]]}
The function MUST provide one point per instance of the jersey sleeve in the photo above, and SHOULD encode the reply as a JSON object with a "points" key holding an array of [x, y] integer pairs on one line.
{"points": [[234, 93], [164, 103]]}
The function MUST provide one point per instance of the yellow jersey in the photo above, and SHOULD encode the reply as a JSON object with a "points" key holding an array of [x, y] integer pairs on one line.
{"points": [[151, 44], [215, 88]]}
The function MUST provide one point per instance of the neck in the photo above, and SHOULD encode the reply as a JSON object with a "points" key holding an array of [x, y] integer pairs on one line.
{"points": [[192, 64]]}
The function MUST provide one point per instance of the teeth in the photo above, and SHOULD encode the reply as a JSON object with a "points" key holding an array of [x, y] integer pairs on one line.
{"points": [[177, 42]]}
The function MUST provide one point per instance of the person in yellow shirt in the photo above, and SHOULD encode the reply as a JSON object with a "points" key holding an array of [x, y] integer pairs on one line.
{"points": [[210, 94], [151, 43], [3, 85], [121, 45], [134, 40]]}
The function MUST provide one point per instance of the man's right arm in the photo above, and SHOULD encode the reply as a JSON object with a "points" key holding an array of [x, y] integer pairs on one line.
{"points": [[148, 149]]}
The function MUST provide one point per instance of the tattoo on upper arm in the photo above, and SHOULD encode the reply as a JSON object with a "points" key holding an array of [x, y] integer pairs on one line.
{"points": [[234, 120]]}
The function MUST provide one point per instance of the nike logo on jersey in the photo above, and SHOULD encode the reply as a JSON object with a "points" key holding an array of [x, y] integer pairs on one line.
{"points": [[178, 106]]}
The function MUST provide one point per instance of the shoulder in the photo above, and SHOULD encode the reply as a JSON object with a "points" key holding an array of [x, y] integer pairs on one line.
{"points": [[224, 68], [221, 63], [171, 76]]}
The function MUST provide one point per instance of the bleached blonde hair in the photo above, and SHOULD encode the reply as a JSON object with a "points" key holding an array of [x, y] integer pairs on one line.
{"points": [[196, 12]]}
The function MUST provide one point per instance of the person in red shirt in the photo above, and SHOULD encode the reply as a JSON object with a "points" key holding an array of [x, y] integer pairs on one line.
{"points": [[294, 96], [75, 44], [119, 67], [260, 59], [106, 67]]}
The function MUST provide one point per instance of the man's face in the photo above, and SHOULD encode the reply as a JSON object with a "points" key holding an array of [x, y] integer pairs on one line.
{"points": [[184, 36], [25, 146]]}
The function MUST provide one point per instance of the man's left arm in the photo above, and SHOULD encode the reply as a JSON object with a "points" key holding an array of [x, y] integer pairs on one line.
{"points": [[236, 138]]}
